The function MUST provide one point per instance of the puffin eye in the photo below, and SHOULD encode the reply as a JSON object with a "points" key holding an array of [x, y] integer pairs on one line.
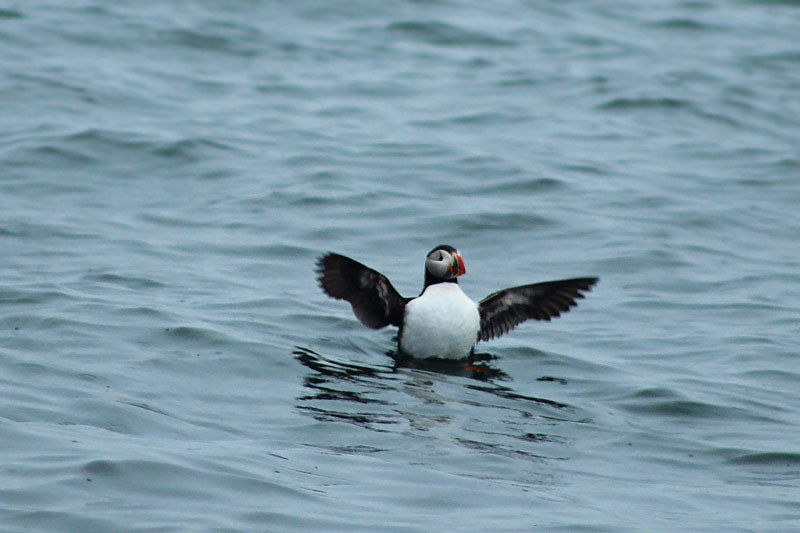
{"points": [[441, 256]]}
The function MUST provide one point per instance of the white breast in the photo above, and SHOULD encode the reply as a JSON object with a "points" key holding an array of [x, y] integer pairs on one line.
{"points": [[442, 322]]}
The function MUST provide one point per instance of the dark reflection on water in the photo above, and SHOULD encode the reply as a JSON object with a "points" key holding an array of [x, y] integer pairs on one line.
{"points": [[331, 367], [505, 392], [349, 385], [476, 368], [362, 394]]}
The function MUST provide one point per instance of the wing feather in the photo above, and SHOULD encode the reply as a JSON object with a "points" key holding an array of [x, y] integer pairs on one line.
{"points": [[503, 310], [374, 300]]}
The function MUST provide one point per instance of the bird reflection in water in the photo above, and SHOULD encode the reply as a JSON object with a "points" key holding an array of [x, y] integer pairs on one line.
{"points": [[477, 367], [366, 395], [349, 385]]}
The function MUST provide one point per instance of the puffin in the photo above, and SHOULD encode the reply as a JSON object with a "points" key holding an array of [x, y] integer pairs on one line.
{"points": [[443, 322]]}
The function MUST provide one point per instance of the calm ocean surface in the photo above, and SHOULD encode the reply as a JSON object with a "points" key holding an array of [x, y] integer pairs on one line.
{"points": [[169, 174]]}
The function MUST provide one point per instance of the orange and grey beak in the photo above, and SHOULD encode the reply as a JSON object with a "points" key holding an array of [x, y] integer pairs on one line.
{"points": [[457, 266]]}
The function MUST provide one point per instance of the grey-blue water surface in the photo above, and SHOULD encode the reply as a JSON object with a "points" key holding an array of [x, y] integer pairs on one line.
{"points": [[170, 171]]}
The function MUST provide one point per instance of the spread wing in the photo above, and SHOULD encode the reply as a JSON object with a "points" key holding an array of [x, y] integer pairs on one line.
{"points": [[504, 310], [375, 302]]}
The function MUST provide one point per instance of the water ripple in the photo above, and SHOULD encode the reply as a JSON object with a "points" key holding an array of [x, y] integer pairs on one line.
{"points": [[444, 34], [645, 104], [11, 14], [770, 459]]}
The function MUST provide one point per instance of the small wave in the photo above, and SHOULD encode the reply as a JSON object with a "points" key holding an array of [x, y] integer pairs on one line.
{"points": [[182, 480], [475, 118], [409, 149], [50, 153], [11, 14], [109, 138], [170, 221], [29, 296], [519, 186], [778, 459], [197, 337], [642, 261], [645, 103], [191, 150], [655, 393], [225, 37], [98, 144], [443, 34], [790, 378], [455, 226], [44, 520], [684, 24], [682, 408], [100, 467], [507, 221], [130, 282], [35, 231], [762, 3], [775, 61], [791, 163], [479, 118], [94, 146], [284, 89], [584, 169], [519, 80], [267, 251]]}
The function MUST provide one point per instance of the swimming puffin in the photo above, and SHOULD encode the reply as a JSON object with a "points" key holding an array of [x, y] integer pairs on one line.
{"points": [[442, 321]]}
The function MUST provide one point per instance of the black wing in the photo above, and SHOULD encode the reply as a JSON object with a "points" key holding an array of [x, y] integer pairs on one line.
{"points": [[375, 302], [504, 310]]}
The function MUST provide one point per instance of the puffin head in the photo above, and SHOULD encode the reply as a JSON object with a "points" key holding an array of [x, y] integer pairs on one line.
{"points": [[443, 263]]}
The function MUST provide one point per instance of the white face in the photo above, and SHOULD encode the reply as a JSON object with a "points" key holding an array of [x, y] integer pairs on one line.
{"points": [[439, 264]]}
